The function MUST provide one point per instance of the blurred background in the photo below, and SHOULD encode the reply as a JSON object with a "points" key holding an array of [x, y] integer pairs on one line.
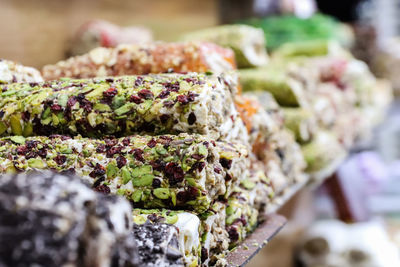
{"points": [[319, 233]]}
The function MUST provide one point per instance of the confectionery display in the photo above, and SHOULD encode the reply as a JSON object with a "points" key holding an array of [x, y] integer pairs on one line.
{"points": [[142, 153]]}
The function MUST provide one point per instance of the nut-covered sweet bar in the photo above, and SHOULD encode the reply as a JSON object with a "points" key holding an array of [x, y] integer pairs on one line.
{"points": [[247, 42], [151, 104], [201, 238], [12, 72], [274, 148], [48, 219], [174, 171], [142, 59], [301, 122]]}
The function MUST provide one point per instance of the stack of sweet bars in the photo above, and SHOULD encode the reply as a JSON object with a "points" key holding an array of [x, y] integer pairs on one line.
{"points": [[330, 100], [162, 124]]}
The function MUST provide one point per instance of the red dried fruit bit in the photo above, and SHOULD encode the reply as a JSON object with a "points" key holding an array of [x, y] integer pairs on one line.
{"points": [[164, 118], [86, 105], [192, 118], [102, 189], [233, 233], [31, 144], [110, 142], [138, 154], [121, 161], [174, 173], [165, 140], [101, 149], [72, 101], [192, 96], [25, 116], [152, 143], [109, 80], [228, 177], [155, 218], [56, 107], [99, 170], [198, 165], [113, 150], [139, 81], [193, 192], [22, 150], [126, 141], [60, 159], [197, 156], [172, 87], [156, 183], [158, 165], [226, 163], [163, 94], [205, 143], [111, 92], [135, 99], [42, 152], [204, 254], [168, 104], [183, 99], [145, 93], [217, 170], [182, 196]]}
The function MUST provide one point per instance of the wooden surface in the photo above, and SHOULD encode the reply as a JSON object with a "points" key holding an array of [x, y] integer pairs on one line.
{"points": [[256, 241]]}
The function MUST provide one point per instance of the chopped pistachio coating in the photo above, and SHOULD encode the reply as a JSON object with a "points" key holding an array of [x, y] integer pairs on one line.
{"points": [[139, 59], [241, 216], [287, 90], [173, 171], [247, 42], [151, 104]]}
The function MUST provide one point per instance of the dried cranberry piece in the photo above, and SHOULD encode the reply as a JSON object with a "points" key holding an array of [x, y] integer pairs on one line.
{"points": [[138, 154], [126, 141], [60, 159], [174, 173], [226, 163], [158, 165], [192, 118], [72, 101], [192, 96], [204, 254], [56, 107], [182, 196], [139, 81], [42, 152], [110, 142], [135, 99], [233, 233], [121, 161], [217, 170], [164, 118], [99, 170], [31, 144], [109, 80], [113, 150], [193, 192], [163, 94], [152, 143], [168, 103], [155, 218], [25, 116], [110, 93], [198, 165], [102, 189], [22, 150], [101, 149], [156, 183], [228, 177], [145, 94], [183, 99], [197, 156]]}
